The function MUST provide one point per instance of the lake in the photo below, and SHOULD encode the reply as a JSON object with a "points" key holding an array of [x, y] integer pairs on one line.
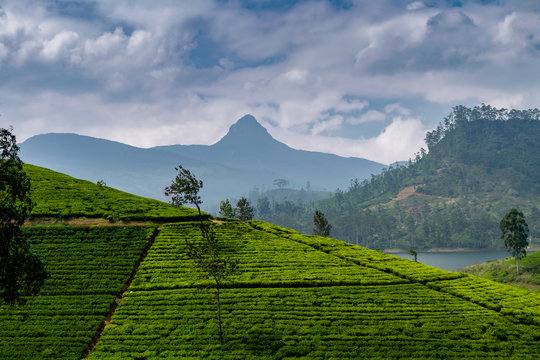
{"points": [[455, 260]]}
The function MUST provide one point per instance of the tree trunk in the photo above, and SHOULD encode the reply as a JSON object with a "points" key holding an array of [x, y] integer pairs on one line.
{"points": [[517, 264], [219, 317]]}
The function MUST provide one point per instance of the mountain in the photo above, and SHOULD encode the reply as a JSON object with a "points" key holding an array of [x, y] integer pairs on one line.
{"points": [[481, 162], [245, 158]]}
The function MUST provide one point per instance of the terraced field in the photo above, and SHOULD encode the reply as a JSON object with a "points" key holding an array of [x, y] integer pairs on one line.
{"points": [[283, 305], [88, 267]]}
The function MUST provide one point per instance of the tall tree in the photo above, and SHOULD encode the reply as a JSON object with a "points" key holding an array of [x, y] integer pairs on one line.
{"points": [[226, 209], [514, 231], [244, 210], [21, 272], [321, 226], [206, 254]]}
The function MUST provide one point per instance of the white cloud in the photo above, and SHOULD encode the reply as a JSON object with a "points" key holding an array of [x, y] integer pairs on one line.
{"points": [[369, 116], [333, 123], [150, 73], [297, 76], [54, 48], [416, 5], [397, 109]]}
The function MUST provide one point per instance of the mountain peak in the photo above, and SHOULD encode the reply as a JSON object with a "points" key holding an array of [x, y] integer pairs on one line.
{"points": [[246, 130], [247, 125]]}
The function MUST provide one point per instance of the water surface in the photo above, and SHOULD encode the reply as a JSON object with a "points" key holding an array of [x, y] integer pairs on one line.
{"points": [[455, 260]]}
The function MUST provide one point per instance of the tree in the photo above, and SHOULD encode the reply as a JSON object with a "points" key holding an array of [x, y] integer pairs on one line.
{"points": [[226, 209], [244, 210], [514, 231], [206, 254], [21, 272], [413, 253], [281, 183], [321, 226]]}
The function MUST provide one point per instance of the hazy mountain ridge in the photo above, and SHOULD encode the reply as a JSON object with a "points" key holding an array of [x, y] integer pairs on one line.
{"points": [[245, 158]]}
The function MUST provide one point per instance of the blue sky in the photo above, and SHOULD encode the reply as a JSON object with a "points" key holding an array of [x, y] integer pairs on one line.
{"points": [[355, 78]]}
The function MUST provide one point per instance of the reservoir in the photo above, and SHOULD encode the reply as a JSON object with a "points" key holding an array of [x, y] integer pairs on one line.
{"points": [[455, 260]]}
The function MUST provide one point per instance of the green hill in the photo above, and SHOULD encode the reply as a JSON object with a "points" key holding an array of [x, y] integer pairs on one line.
{"points": [[481, 162], [504, 271], [60, 196], [130, 292]]}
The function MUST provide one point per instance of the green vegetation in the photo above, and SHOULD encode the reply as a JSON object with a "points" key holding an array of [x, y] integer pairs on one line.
{"points": [[502, 270], [312, 297], [206, 255], [321, 226], [87, 259], [21, 272], [88, 267], [243, 210], [292, 296], [481, 162], [60, 196], [515, 232], [226, 209]]}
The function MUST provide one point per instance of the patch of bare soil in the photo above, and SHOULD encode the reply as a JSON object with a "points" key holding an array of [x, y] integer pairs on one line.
{"points": [[402, 195], [405, 193]]}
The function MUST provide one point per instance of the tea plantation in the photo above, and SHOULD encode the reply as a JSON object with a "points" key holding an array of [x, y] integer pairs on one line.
{"points": [[60, 196], [88, 267], [131, 291]]}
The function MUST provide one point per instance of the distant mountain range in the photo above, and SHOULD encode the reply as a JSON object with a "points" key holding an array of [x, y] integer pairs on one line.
{"points": [[245, 158]]}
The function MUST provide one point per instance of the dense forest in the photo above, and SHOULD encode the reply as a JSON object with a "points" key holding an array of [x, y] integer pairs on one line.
{"points": [[480, 162]]}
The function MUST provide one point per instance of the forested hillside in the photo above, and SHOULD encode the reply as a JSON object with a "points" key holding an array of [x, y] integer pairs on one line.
{"points": [[480, 163]]}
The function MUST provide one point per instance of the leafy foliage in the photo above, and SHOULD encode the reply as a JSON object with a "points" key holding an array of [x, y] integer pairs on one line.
{"points": [[244, 211], [21, 272], [185, 189], [321, 226], [514, 231], [226, 209]]}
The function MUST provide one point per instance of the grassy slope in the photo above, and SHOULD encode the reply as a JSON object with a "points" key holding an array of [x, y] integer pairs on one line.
{"points": [[88, 267], [60, 196], [300, 296], [504, 271]]}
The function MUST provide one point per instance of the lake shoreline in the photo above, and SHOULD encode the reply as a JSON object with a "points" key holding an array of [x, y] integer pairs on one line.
{"points": [[442, 250]]}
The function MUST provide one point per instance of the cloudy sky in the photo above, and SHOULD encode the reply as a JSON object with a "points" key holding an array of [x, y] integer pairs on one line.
{"points": [[357, 78]]}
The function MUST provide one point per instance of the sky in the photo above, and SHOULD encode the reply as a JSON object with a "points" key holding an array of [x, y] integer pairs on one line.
{"points": [[356, 78]]}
